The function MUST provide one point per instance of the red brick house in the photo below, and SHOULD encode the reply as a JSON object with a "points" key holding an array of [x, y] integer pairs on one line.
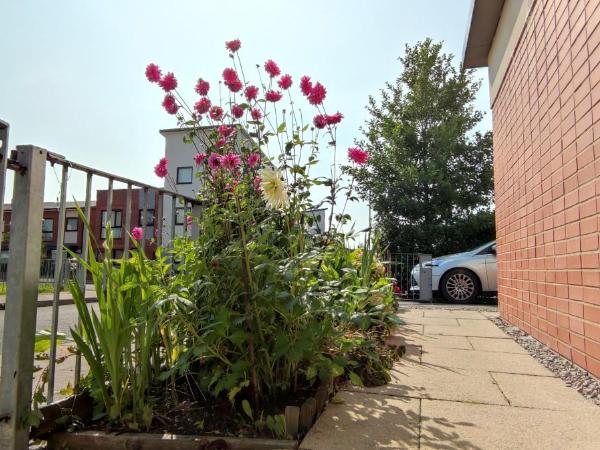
{"points": [[74, 226], [543, 60]]}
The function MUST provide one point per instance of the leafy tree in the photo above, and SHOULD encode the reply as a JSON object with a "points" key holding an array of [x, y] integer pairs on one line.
{"points": [[429, 176]]}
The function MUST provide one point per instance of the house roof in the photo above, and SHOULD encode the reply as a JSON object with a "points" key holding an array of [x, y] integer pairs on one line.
{"points": [[485, 15]]}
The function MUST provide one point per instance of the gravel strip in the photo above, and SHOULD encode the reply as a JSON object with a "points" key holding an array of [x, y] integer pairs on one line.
{"points": [[574, 376]]}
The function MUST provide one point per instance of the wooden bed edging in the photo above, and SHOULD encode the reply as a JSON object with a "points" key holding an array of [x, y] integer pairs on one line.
{"points": [[97, 440]]}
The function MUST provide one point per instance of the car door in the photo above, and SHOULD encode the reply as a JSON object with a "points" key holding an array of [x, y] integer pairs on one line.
{"points": [[490, 268]]}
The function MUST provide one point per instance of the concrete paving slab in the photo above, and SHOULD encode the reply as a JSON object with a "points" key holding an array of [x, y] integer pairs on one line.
{"points": [[455, 425], [496, 345], [455, 314], [446, 321], [361, 421], [490, 314], [439, 341], [487, 330], [486, 361], [541, 392], [424, 381], [407, 330]]}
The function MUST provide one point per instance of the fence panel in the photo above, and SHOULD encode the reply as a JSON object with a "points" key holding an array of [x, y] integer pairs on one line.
{"points": [[402, 267]]}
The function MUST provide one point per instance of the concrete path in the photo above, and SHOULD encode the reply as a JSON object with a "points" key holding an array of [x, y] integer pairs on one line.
{"points": [[463, 384]]}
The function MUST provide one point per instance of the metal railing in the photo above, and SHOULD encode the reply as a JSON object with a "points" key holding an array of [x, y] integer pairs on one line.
{"points": [[403, 267], [23, 277]]}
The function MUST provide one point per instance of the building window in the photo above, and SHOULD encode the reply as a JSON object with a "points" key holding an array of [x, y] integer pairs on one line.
{"points": [[47, 230], [115, 225], [179, 216], [149, 219], [185, 175], [117, 253], [72, 224]]}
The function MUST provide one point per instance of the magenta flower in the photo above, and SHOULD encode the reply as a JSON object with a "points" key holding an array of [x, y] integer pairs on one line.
{"points": [[253, 160], [168, 82], [202, 106], [256, 183], [231, 161], [153, 73], [237, 111], [233, 46], [358, 155], [161, 168], [137, 233], [199, 158], [334, 119], [251, 92], [220, 142], [305, 85], [225, 131], [285, 82], [170, 104], [229, 75], [273, 96], [317, 94], [256, 114], [189, 220], [236, 86], [320, 121], [272, 68], [216, 113], [215, 161], [202, 87]]}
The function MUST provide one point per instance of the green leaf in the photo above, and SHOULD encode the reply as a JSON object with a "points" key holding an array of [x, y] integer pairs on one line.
{"points": [[355, 379], [247, 409]]}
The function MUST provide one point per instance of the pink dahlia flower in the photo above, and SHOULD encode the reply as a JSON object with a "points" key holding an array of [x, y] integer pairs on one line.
{"points": [[189, 220], [199, 158], [202, 106], [334, 119], [233, 46], [251, 92], [170, 104], [253, 160], [273, 96], [216, 112], [272, 68], [215, 161], [358, 155], [225, 131], [137, 233], [231, 161], [153, 73], [230, 75], [220, 142], [285, 82], [256, 114], [202, 87], [235, 86], [320, 121], [256, 183], [168, 82], [237, 111], [317, 94], [305, 85], [161, 168]]}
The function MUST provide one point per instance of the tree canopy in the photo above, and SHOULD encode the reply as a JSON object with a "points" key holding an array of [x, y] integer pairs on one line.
{"points": [[429, 176]]}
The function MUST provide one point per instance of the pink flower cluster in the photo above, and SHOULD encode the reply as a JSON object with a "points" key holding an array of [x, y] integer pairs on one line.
{"points": [[272, 68], [137, 233], [251, 92], [273, 96], [170, 104], [232, 80], [358, 155], [202, 106], [315, 93], [202, 87], [322, 120], [233, 46], [161, 168], [199, 158], [285, 82], [237, 111]]}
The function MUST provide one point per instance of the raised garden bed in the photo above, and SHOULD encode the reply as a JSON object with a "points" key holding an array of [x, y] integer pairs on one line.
{"points": [[76, 411]]}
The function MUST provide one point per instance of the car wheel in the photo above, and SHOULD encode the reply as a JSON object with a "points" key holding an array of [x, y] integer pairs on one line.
{"points": [[460, 286]]}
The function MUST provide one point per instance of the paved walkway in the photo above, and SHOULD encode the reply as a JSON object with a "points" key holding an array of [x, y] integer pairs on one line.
{"points": [[463, 384]]}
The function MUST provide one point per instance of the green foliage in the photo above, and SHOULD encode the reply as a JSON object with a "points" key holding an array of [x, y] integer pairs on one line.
{"points": [[429, 176]]}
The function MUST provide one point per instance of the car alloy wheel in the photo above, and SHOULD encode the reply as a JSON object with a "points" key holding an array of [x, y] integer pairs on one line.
{"points": [[460, 287]]}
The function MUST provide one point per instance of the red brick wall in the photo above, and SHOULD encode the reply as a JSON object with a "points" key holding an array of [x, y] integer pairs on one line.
{"points": [[547, 174]]}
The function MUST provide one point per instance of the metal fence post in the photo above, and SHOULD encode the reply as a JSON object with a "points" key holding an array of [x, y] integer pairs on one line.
{"points": [[4, 127], [425, 283], [21, 300]]}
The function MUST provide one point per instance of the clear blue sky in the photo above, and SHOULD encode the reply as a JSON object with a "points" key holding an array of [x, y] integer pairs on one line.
{"points": [[72, 72]]}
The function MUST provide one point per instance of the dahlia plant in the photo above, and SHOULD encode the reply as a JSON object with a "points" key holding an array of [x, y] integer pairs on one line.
{"points": [[264, 306]]}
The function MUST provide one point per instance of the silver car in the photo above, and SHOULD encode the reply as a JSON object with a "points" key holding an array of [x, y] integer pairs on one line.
{"points": [[462, 277]]}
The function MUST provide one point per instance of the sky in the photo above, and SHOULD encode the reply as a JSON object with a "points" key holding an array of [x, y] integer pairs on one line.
{"points": [[72, 72]]}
